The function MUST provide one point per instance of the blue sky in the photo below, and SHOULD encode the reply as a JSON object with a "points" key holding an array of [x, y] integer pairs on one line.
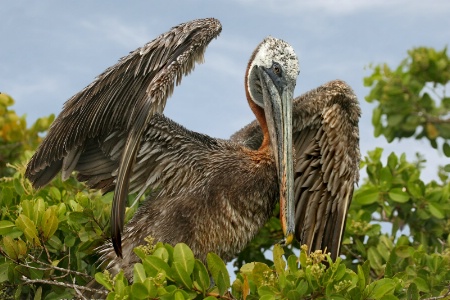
{"points": [[50, 50]]}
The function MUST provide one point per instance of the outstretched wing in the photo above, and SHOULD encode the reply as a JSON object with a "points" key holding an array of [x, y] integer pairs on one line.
{"points": [[123, 99], [169, 155], [326, 146]]}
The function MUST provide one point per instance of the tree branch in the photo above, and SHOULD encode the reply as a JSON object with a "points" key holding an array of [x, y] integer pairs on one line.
{"points": [[62, 284], [55, 267]]}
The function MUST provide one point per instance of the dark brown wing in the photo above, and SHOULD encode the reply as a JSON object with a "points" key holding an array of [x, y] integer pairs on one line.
{"points": [[326, 145], [123, 99], [168, 157]]}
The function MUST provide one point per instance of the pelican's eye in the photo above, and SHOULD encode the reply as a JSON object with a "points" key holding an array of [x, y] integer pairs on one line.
{"points": [[276, 68]]}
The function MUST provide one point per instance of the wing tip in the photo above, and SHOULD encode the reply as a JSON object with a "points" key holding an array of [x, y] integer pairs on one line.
{"points": [[41, 176], [116, 239]]}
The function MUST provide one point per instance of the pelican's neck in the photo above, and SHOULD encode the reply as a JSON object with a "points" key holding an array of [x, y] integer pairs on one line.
{"points": [[261, 117]]}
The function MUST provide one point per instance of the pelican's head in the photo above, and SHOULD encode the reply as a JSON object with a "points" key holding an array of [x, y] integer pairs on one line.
{"points": [[270, 81], [278, 58]]}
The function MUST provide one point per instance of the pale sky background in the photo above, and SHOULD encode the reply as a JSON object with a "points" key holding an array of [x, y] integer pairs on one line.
{"points": [[49, 50]]}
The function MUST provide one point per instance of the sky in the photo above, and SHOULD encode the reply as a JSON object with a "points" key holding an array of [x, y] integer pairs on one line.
{"points": [[50, 50]]}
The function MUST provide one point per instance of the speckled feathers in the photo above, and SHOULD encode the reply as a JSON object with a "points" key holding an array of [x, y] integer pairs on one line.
{"points": [[212, 194]]}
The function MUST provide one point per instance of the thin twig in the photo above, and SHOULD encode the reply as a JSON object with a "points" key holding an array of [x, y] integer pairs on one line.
{"points": [[356, 255], [58, 268], [79, 293], [67, 285]]}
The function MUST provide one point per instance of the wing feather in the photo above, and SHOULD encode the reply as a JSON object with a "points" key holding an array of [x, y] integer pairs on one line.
{"points": [[123, 98], [326, 163], [142, 81], [162, 163]]}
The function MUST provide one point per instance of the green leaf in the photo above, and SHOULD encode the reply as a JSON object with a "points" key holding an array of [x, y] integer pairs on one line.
{"points": [[22, 248], [421, 284], [49, 223], [394, 120], [413, 292], [389, 297], [69, 240], [415, 190], [384, 250], [177, 295], [28, 208], [201, 276], [120, 285], [446, 102], [4, 272], [151, 287], [138, 273], [140, 253], [293, 295], [376, 116], [154, 265], [436, 210], [10, 247], [375, 259], [446, 149], [431, 131], [248, 268], [303, 258], [340, 272], [223, 283], [398, 195], [367, 196], [55, 243], [361, 278], [38, 294], [38, 211], [54, 193], [403, 251], [78, 217], [6, 100], [259, 273], [266, 290], [434, 263], [162, 253], [292, 264], [139, 290], [103, 280], [18, 186], [36, 274], [392, 161], [183, 256], [218, 271], [280, 264], [5, 227], [180, 274], [302, 287], [379, 288], [29, 229], [385, 178]]}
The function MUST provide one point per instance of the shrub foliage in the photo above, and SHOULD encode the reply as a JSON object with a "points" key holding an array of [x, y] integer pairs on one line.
{"points": [[396, 245]]}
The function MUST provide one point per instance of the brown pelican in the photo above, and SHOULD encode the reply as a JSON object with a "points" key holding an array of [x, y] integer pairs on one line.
{"points": [[212, 194]]}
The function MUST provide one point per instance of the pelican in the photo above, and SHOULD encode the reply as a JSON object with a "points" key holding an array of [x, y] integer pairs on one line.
{"points": [[211, 194]]}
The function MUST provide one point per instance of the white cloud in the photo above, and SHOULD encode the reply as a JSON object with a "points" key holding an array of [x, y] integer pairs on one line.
{"points": [[21, 89], [118, 32], [343, 7], [37, 96]]}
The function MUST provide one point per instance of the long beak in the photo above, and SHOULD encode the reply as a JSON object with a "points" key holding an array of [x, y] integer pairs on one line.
{"points": [[277, 98]]}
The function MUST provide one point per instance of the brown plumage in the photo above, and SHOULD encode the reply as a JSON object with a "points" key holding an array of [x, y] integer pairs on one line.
{"points": [[326, 143], [212, 194], [122, 98]]}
